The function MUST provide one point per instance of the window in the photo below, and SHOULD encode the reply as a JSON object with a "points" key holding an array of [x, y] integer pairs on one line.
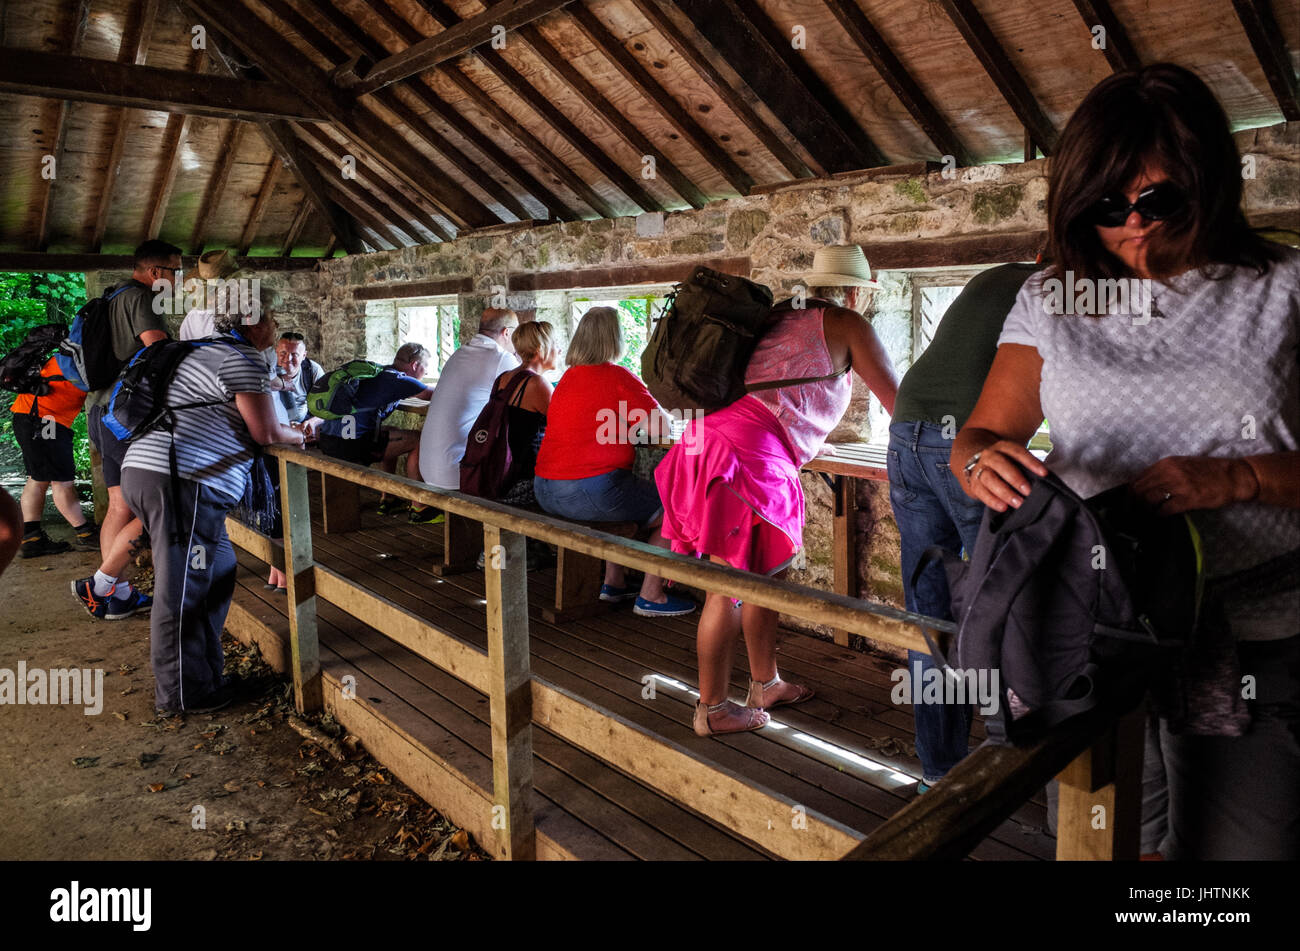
{"points": [[433, 322], [638, 309]]}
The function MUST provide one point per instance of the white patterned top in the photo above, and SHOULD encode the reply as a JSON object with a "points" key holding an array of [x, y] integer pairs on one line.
{"points": [[1217, 375]]}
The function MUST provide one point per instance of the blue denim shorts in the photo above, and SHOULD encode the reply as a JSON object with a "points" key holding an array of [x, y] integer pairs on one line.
{"points": [[617, 496]]}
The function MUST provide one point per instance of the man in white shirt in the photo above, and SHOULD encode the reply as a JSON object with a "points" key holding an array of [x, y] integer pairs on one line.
{"points": [[462, 391]]}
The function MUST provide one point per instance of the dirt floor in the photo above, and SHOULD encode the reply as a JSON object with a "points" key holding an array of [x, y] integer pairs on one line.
{"points": [[240, 784]]}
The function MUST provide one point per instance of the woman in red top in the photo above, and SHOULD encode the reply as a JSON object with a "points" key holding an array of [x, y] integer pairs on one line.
{"points": [[584, 467], [43, 428]]}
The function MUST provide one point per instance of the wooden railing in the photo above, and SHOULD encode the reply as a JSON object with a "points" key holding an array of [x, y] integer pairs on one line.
{"points": [[986, 788]]}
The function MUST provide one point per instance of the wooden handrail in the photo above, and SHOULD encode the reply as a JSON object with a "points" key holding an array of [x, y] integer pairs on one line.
{"points": [[867, 618]]}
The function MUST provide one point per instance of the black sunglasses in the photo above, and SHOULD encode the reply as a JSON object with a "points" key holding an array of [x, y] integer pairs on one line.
{"points": [[1154, 203]]}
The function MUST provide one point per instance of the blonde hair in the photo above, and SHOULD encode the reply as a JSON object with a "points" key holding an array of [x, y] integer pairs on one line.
{"points": [[531, 338], [840, 295], [598, 339]]}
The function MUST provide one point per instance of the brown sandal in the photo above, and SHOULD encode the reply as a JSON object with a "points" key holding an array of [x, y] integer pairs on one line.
{"points": [[753, 719], [757, 691]]}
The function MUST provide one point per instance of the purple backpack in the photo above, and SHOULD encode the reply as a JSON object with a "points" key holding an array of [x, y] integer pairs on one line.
{"points": [[485, 468]]}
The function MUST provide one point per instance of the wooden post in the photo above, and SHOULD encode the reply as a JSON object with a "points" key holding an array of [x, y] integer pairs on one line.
{"points": [[299, 567], [459, 545], [845, 542], [98, 491], [1099, 817], [340, 502], [510, 692]]}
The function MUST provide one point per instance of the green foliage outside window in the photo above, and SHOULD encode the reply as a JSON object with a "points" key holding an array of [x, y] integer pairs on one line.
{"points": [[28, 300]]}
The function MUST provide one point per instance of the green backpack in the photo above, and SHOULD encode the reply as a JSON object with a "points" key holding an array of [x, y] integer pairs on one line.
{"points": [[334, 395]]}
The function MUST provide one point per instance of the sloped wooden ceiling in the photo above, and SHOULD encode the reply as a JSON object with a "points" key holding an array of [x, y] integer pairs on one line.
{"points": [[295, 127]]}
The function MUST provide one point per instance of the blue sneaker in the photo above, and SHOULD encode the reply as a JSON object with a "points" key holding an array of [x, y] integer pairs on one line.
{"points": [[610, 593], [922, 787], [134, 603], [84, 589], [670, 608]]}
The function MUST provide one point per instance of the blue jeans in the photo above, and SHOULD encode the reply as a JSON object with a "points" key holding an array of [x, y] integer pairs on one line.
{"points": [[616, 496], [931, 509]]}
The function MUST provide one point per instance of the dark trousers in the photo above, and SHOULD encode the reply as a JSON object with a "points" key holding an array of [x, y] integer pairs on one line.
{"points": [[930, 509], [194, 580]]}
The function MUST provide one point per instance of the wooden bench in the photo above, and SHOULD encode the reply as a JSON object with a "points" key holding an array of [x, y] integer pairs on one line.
{"points": [[578, 577]]}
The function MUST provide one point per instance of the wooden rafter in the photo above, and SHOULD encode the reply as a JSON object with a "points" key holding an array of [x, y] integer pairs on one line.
{"points": [[798, 66], [279, 136], [45, 261], [326, 47], [174, 137], [81, 18], [1005, 76], [217, 182], [529, 143], [598, 101], [280, 59], [394, 196], [1266, 39], [520, 87], [135, 45], [259, 204], [770, 73], [300, 217], [1119, 48], [369, 214], [699, 55], [455, 40], [631, 69], [82, 79], [873, 46]]}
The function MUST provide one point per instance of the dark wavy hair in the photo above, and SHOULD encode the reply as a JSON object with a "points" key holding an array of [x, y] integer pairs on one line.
{"points": [[1165, 115]]}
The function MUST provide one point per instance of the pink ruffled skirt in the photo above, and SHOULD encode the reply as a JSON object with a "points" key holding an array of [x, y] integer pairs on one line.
{"points": [[730, 488]]}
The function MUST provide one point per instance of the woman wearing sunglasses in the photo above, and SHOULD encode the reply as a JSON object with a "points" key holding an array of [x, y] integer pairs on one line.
{"points": [[1192, 398]]}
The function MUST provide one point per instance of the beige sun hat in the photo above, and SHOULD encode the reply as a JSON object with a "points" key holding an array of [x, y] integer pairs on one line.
{"points": [[840, 265], [216, 265]]}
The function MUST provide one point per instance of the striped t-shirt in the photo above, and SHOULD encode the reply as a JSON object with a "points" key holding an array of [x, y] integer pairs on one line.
{"points": [[213, 446]]}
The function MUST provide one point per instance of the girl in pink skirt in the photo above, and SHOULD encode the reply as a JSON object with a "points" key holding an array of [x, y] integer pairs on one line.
{"points": [[731, 489]]}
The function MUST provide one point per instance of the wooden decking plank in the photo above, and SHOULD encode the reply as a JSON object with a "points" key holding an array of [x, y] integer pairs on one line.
{"points": [[465, 583]]}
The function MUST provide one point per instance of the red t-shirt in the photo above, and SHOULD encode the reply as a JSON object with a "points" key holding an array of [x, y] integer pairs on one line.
{"points": [[587, 422], [63, 402]]}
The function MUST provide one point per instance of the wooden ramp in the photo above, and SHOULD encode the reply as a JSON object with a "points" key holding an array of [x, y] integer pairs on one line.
{"points": [[846, 755]]}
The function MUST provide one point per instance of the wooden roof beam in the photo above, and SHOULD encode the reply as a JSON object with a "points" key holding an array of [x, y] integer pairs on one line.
{"points": [[174, 136], [134, 47], [279, 136], [640, 79], [699, 55], [1119, 48], [426, 98], [1005, 76], [64, 263], [524, 91], [295, 228], [217, 183], [259, 205], [81, 19], [877, 51], [611, 114], [770, 74], [455, 40], [33, 73], [277, 57], [1266, 39], [391, 193]]}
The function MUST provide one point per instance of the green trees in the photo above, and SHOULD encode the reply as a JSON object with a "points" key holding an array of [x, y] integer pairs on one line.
{"points": [[28, 300]]}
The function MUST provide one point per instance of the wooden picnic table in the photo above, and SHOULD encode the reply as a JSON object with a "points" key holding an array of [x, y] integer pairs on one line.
{"points": [[842, 468]]}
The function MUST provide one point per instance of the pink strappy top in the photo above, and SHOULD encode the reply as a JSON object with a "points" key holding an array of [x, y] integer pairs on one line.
{"points": [[796, 347]]}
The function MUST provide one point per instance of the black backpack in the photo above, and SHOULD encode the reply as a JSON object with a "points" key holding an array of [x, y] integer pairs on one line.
{"points": [[701, 345], [485, 468], [1073, 602], [20, 370], [86, 356]]}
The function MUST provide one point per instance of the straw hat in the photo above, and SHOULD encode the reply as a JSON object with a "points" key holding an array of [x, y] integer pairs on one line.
{"points": [[840, 265], [216, 265]]}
